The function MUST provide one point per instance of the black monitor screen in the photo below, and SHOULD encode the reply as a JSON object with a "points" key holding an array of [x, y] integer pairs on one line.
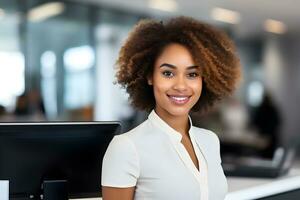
{"points": [[31, 153]]}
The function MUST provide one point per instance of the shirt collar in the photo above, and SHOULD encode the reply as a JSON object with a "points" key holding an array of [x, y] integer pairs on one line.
{"points": [[161, 124]]}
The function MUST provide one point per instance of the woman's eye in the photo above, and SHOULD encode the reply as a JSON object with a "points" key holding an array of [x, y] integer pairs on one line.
{"points": [[193, 75], [168, 74]]}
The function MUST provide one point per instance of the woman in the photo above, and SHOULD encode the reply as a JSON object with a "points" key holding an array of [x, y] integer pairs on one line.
{"points": [[171, 70]]}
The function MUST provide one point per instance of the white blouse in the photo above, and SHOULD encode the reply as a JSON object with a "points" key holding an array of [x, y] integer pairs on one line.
{"points": [[152, 158]]}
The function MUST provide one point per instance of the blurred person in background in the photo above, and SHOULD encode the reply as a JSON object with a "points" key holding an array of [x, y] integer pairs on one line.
{"points": [[29, 107], [2, 111], [169, 70], [22, 105], [266, 120]]}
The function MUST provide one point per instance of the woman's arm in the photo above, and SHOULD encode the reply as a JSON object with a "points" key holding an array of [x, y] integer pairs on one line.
{"points": [[113, 193], [120, 169]]}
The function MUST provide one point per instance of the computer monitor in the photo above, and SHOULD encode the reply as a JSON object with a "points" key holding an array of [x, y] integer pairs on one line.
{"points": [[35, 153]]}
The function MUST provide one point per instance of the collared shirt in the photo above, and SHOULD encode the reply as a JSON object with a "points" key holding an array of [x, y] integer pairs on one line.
{"points": [[152, 158]]}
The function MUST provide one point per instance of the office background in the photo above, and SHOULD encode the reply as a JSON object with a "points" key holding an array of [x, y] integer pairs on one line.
{"points": [[57, 64]]}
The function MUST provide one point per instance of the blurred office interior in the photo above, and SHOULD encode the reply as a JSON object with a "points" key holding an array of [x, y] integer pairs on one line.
{"points": [[57, 64]]}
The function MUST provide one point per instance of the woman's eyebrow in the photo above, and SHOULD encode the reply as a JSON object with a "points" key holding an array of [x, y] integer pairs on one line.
{"points": [[174, 67], [193, 67], [168, 65]]}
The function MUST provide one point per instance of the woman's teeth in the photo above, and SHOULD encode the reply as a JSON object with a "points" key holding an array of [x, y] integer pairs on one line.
{"points": [[179, 100]]}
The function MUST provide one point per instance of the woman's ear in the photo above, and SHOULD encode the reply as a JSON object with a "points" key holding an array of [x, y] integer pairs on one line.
{"points": [[150, 80]]}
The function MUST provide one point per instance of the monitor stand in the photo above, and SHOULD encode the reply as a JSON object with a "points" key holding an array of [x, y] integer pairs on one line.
{"points": [[55, 190]]}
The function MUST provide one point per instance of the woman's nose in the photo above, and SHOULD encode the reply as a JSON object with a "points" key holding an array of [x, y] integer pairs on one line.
{"points": [[180, 83]]}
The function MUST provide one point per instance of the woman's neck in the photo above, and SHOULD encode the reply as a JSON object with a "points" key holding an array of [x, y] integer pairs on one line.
{"points": [[179, 123]]}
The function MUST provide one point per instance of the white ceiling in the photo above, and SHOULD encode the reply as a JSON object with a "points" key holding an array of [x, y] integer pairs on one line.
{"points": [[253, 12]]}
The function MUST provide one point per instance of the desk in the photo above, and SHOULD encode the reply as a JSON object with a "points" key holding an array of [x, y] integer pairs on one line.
{"points": [[255, 188]]}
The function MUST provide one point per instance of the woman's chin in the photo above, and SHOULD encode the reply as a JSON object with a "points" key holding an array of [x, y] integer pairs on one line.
{"points": [[178, 112]]}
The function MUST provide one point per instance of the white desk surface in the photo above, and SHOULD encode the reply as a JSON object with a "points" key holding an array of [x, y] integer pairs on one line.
{"points": [[240, 188], [253, 188]]}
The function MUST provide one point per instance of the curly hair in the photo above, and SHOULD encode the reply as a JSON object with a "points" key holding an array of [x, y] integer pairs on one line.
{"points": [[210, 48]]}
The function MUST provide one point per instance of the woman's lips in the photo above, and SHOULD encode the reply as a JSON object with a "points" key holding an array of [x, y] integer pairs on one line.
{"points": [[179, 100]]}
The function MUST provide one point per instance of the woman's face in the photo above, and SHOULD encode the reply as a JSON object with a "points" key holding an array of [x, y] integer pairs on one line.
{"points": [[176, 81]]}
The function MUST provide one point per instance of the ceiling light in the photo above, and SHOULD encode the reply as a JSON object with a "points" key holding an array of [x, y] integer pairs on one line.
{"points": [[275, 26], [45, 11], [225, 15], [164, 5]]}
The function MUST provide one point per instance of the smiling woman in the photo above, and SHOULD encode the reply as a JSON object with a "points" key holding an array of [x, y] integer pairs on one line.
{"points": [[171, 70]]}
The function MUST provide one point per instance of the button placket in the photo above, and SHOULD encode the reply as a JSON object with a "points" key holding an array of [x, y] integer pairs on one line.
{"points": [[203, 171]]}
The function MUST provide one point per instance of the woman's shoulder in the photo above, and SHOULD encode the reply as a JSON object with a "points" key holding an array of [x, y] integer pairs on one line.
{"points": [[141, 132], [127, 140], [122, 148]]}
